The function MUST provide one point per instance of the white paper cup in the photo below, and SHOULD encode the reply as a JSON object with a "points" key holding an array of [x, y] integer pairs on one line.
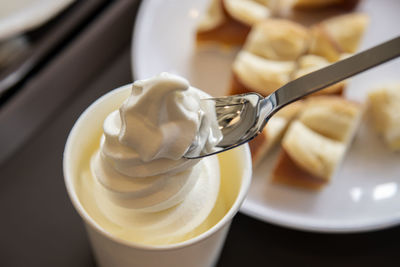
{"points": [[109, 250]]}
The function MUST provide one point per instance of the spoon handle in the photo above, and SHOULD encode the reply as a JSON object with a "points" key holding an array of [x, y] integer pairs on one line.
{"points": [[337, 72]]}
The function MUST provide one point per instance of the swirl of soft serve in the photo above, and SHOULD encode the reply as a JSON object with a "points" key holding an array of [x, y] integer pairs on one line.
{"points": [[144, 181]]}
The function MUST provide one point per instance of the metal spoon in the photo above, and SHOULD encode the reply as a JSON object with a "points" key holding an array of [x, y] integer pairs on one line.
{"points": [[242, 117]]}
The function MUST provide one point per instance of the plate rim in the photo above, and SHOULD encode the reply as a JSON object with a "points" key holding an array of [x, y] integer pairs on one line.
{"points": [[316, 226], [14, 25]]}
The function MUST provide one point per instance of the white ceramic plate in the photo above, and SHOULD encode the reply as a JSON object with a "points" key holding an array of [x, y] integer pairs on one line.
{"points": [[18, 16], [364, 194]]}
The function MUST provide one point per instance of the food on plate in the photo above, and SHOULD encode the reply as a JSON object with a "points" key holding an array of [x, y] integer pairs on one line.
{"points": [[273, 131], [337, 35], [315, 143], [384, 109], [229, 21], [277, 51], [278, 39], [253, 73], [268, 57]]}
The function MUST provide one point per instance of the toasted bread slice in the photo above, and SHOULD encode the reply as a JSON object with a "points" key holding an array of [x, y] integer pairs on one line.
{"points": [[315, 144], [273, 131], [229, 21], [278, 39], [338, 35], [267, 60], [331, 116], [384, 108], [259, 74]]}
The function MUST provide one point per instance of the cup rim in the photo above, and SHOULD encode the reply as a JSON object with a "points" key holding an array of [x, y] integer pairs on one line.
{"points": [[69, 183]]}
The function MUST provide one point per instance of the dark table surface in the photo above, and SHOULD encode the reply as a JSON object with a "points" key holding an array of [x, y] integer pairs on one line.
{"points": [[38, 224]]}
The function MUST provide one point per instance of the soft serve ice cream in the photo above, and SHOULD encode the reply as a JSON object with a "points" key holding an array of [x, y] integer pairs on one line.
{"points": [[138, 185]]}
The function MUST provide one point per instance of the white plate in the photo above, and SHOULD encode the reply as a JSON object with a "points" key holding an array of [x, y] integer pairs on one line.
{"points": [[18, 16], [363, 195]]}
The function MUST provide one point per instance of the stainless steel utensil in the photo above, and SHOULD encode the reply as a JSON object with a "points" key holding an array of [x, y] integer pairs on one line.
{"points": [[242, 117]]}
